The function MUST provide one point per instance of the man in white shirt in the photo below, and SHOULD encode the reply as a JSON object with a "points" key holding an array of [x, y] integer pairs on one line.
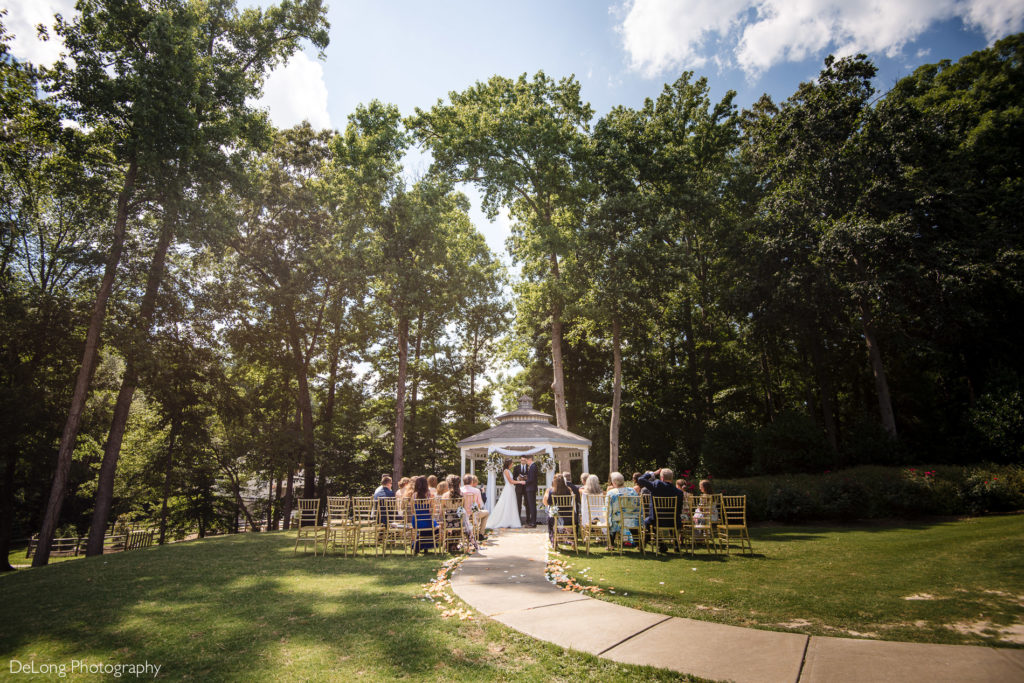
{"points": [[471, 495]]}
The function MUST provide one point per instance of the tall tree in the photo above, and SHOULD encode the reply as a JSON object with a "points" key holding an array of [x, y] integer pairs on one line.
{"points": [[522, 142], [211, 59]]}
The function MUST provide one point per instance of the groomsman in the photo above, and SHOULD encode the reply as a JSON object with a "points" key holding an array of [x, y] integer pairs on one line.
{"points": [[530, 492]]}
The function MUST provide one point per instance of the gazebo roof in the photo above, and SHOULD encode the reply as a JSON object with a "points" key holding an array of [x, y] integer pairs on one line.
{"points": [[524, 425]]}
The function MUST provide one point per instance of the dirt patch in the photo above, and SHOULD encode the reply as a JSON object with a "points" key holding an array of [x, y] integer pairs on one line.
{"points": [[920, 596], [1007, 634], [1019, 599], [706, 608], [795, 623]]}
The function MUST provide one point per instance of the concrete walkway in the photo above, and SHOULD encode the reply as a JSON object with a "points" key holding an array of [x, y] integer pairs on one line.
{"points": [[506, 582]]}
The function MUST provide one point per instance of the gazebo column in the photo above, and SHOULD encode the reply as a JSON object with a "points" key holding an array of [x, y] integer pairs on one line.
{"points": [[462, 470], [491, 489], [472, 465], [586, 460]]}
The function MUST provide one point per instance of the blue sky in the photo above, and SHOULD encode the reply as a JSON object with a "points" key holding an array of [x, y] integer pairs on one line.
{"points": [[411, 53]]}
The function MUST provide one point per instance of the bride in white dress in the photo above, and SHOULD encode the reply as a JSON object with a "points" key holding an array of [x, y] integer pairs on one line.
{"points": [[505, 514]]}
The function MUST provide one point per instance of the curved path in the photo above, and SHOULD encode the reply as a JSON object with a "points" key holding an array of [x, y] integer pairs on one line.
{"points": [[505, 581]]}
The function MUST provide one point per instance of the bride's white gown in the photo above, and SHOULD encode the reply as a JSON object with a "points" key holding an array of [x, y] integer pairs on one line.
{"points": [[505, 514]]}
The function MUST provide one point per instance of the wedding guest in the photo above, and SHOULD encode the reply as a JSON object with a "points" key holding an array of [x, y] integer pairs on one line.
{"points": [[575, 490], [423, 516], [483, 493], [681, 485], [404, 488], [384, 490], [583, 479], [707, 502], [442, 488], [452, 519], [592, 487], [617, 523], [471, 497], [432, 484], [659, 483], [647, 504], [557, 488]]}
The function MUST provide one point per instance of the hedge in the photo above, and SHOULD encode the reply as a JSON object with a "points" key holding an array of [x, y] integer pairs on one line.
{"points": [[877, 492]]}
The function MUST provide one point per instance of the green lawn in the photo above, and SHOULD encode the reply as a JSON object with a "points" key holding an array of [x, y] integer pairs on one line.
{"points": [[939, 582], [246, 608], [17, 557]]}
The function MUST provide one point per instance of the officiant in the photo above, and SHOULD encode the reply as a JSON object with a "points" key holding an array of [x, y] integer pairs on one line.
{"points": [[519, 474]]}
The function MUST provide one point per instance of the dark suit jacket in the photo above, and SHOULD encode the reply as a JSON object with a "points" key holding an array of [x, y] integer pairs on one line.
{"points": [[531, 478], [519, 472], [659, 488]]}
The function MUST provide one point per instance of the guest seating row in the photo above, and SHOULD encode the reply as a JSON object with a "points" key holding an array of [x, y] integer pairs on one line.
{"points": [[384, 525], [713, 521]]}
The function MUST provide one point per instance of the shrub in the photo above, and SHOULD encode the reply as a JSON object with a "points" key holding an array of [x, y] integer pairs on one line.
{"points": [[993, 490], [877, 492]]}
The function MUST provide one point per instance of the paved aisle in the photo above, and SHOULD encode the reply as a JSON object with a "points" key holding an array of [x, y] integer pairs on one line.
{"points": [[506, 582]]}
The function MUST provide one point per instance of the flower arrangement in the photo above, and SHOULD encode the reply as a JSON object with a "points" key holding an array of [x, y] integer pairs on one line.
{"points": [[546, 461], [495, 462]]}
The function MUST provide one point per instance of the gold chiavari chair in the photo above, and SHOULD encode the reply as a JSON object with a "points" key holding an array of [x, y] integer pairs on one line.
{"points": [[665, 525], [732, 523], [340, 530], [425, 532], [627, 513], [699, 525], [308, 528], [364, 517], [392, 526], [456, 525], [594, 518], [562, 518]]}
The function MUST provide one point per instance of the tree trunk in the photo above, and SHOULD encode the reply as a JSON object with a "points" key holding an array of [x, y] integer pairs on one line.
{"points": [[7, 510], [277, 504], [558, 383], [881, 383], [288, 499], [305, 407], [270, 504], [108, 468], [168, 465], [85, 372], [414, 382], [613, 432], [403, 367]]}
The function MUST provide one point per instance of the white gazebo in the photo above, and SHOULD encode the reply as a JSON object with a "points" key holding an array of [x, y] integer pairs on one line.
{"points": [[524, 431]]}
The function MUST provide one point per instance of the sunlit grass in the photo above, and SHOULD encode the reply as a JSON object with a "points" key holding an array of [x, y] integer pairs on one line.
{"points": [[942, 582], [247, 608]]}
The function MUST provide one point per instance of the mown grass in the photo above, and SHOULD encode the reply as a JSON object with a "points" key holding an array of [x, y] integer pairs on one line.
{"points": [[245, 607], [966, 578], [17, 557]]}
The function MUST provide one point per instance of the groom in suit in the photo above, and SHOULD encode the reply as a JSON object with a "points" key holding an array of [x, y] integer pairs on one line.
{"points": [[530, 492]]}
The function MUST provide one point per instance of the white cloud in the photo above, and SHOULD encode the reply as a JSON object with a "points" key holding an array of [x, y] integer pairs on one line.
{"points": [[995, 18], [662, 35], [22, 18], [296, 92]]}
